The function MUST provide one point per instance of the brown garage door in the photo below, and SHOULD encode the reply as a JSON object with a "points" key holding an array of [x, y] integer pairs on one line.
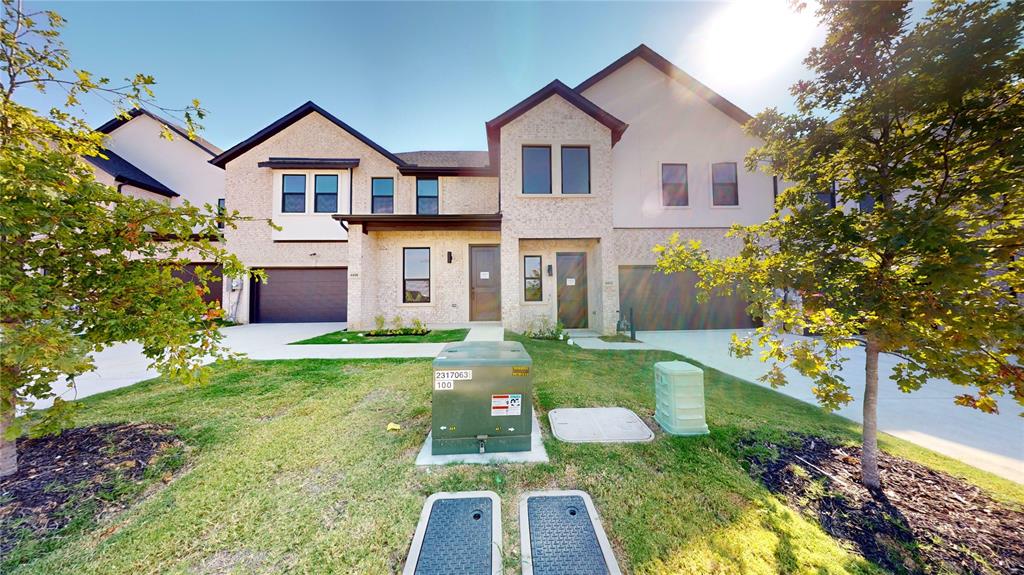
{"points": [[662, 301], [301, 295], [188, 273]]}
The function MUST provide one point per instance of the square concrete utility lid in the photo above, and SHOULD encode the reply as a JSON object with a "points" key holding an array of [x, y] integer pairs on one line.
{"points": [[598, 425]]}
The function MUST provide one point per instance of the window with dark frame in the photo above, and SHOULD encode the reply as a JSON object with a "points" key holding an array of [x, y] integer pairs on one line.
{"points": [[536, 169], [828, 197], [416, 275], [221, 212], [382, 193], [325, 193], [674, 185], [426, 196], [724, 184], [293, 194], [533, 279], [575, 170]]}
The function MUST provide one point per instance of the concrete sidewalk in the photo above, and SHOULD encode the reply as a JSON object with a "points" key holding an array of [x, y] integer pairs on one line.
{"points": [[927, 417]]}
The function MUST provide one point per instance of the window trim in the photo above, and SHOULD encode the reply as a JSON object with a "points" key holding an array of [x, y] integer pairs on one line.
{"points": [[438, 196], [392, 196], [711, 179], [430, 286], [221, 212], [561, 160], [522, 169], [305, 200], [337, 193], [540, 259], [661, 185]]}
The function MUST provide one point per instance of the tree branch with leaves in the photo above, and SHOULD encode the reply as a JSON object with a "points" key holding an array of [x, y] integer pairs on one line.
{"points": [[920, 128], [82, 265]]}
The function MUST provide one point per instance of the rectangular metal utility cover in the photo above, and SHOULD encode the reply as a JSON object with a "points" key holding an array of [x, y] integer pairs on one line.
{"points": [[598, 425], [482, 397], [560, 533], [458, 534]]}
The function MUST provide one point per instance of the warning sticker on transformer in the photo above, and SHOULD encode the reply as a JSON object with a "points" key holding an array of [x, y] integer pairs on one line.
{"points": [[507, 404]]}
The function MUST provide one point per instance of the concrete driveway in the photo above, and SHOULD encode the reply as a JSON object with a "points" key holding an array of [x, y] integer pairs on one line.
{"points": [[927, 417]]}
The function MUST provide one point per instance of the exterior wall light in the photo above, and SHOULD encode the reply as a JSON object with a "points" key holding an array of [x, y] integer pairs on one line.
{"points": [[449, 257]]}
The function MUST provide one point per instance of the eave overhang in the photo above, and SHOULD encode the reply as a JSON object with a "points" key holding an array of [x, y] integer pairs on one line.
{"points": [[447, 171], [419, 222], [309, 163]]}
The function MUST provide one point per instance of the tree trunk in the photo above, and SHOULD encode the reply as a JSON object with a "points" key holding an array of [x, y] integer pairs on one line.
{"points": [[8, 449], [869, 449]]}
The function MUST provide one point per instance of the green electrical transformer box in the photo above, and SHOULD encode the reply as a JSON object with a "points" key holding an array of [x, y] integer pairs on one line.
{"points": [[482, 400]]}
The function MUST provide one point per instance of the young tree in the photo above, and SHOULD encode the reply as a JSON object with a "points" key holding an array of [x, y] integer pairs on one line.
{"points": [[921, 131], [80, 266]]}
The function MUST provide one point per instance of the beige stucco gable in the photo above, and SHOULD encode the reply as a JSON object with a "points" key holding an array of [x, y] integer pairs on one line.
{"points": [[671, 123]]}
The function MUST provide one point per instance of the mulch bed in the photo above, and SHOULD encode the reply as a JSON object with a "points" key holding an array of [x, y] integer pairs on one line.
{"points": [[922, 521], [59, 475]]}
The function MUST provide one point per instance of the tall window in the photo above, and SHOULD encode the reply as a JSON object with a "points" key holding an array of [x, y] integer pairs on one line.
{"points": [[533, 280], [325, 193], [426, 195], [383, 196], [674, 187], [221, 211], [536, 169], [724, 186], [575, 170], [293, 198], [416, 275]]}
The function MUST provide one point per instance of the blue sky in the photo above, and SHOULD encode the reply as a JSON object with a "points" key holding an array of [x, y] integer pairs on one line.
{"points": [[422, 75]]}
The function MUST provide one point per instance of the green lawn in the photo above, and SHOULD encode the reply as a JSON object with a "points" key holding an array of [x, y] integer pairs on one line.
{"points": [[617, 338], [292, 470], [347, 337]]}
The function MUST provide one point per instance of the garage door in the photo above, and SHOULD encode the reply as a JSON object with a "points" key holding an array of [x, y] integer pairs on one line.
{"points": [[188, 273], [301, 295], [662, 301]]}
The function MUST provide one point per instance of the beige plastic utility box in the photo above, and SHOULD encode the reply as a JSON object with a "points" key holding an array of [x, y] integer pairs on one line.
{"points": [[679, 398]]}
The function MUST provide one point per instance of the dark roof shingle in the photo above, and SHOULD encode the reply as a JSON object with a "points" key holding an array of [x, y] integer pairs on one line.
{"points": [[126, 172], [446, 158]]}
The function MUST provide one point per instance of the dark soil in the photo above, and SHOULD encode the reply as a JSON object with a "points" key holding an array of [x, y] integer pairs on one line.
{"points": [[922, 521], [79, 475]]}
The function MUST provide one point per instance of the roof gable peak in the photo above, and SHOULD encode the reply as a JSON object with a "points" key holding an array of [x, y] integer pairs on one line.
{"points": [[674, 72]]}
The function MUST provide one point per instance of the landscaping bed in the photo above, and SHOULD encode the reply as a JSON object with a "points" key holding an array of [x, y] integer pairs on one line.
{"points": [[64, 483], [922, 521], [350, 337]]}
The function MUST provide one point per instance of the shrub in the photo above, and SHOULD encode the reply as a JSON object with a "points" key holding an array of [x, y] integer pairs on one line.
{"points": [[398, 323], [378, 323]]}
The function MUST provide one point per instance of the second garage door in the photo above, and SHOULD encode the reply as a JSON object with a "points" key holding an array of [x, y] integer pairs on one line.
{"points": [[301, 295], [662, 301]]}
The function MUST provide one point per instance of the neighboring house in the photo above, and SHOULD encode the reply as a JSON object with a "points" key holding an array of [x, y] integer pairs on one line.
{"points": [[140, 162], [554, 222]]}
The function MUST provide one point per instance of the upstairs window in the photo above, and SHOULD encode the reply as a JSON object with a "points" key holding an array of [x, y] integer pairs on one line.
{"points": [[383, 196], [575, 170], [828, 197], [416, 275], [724, 186], [867, 203], [533, 280], [325, 193], [536, 169], [674, 187], [293, 196], [426, 195], [221, 212]]}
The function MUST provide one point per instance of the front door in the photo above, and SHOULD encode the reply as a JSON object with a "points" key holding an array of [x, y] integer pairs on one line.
{"points": [[572, 289], [484, 283]]}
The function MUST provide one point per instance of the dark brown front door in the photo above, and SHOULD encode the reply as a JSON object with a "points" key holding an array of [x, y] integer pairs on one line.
{"points": [[484, 283], [572, 289], [301, 295]]}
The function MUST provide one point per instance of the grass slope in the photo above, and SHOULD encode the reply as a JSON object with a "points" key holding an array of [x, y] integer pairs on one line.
{"points": [[293, 471], [349, 337]]}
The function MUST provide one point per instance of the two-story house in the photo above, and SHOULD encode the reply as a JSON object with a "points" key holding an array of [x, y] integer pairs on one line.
{"points": [[140, 162], [555, 220]]}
